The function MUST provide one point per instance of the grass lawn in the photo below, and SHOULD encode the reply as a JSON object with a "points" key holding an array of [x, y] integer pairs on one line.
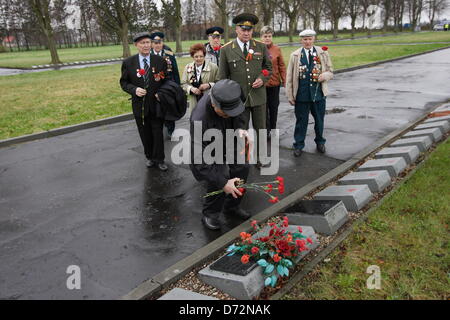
{"points": [[40, 101], [407, 237], [30, 58]]}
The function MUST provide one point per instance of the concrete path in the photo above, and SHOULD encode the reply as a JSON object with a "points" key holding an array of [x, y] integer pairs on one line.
{"points": [[86, 198]]}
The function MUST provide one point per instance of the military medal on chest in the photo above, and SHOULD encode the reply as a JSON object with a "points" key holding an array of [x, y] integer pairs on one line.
{"points": [[169, 64]]}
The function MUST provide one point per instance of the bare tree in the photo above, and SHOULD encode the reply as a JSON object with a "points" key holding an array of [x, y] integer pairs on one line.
{"points": [[267, 7], [177, 20], [398, 9], [291, 9], [387, 12], [314, 9], [354, 11], [117, 16], [41, 9], [434, 8], [415, 8], [334, 10], [224, 14]]}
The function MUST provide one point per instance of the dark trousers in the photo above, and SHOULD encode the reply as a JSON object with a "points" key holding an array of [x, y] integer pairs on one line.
{"points": [[273, 101], [302, 110], [213, 205], [151, 133], [170, 125]]}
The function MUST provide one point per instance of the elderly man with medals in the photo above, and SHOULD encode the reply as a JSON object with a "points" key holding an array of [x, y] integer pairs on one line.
{"points": [[308, 73]]}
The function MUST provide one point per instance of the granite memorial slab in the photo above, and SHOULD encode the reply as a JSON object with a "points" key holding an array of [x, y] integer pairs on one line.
{"points": [[409, 153], [422, 142], [324, 216], [354, 197], [376, 180], [392, 165]]}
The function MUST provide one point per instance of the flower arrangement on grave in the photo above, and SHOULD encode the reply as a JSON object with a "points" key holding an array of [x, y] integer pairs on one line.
{"points": [[274, 250], [264, 187]]}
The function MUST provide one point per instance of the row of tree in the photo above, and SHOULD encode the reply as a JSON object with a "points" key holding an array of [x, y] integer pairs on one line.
{"points": [[57, 23]]}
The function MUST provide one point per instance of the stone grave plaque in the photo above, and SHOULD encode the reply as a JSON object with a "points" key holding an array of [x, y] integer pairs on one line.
{"points": [[232, 264], [312, 207]]}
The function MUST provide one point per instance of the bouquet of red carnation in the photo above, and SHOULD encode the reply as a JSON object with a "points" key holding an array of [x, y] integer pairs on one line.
{"points": [[265, 187], [273, 248]]}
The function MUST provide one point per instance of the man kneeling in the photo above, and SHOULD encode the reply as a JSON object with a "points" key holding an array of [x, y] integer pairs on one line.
{"points": [[219, 110]]}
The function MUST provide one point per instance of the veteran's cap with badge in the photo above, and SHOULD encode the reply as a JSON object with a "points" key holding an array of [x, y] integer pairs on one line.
{"points": [[226, 95], [246, 20], [141, 35], [307, 33], [214, 31], [157, 36]]}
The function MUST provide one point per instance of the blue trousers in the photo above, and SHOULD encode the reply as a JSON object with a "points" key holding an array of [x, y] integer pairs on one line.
{"points": [[302, 110]]}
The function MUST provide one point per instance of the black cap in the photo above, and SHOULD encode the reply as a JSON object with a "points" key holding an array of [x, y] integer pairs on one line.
{"points": [[140, 36], [246, 20], [226, 95], [214, 31], [157, 36]]}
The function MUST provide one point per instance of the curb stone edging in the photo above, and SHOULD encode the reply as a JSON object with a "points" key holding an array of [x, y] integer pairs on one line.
{"points": [[151, 288], [129, 116]]}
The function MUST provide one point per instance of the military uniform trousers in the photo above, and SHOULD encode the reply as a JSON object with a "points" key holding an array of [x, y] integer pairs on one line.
{"points": [[213, 205], [258, 115], [273, 101], [302, 110]]}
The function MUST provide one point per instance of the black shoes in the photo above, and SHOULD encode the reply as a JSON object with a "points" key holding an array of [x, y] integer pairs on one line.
{"points": [[149, 163], [238, 212], [162, 166], [211, 223], [297, 153], [260, 165], [321, 148]]}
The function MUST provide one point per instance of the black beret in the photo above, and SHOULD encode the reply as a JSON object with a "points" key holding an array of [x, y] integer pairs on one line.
{"points": [[141, 35], [214, 31], [245, 20]]}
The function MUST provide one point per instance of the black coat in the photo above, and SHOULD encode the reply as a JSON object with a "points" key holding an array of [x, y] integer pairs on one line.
{"points": [[129, 81], [213, 173], [172, 101]]}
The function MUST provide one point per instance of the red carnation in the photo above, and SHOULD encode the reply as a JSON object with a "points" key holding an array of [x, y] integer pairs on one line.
{"points": [[142, 72], [324, 48], [241, 190], [300, 229], [276, 258], [281, 188], [273, 200], [269, 188], [280, 180], [216, 48], [309, 240], [245, 258], [253, 223], [265, 72], [255, 250]]}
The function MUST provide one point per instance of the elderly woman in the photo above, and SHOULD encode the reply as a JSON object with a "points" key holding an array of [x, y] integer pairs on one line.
{"points": [[198, 76], [278, 78]]}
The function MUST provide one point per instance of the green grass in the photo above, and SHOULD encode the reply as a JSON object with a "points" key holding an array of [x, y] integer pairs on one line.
{"points": [[407, 237], [40, 101], [26, 59]]}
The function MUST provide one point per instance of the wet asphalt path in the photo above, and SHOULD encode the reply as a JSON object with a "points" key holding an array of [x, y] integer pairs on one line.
{"points": [[86, 198]]}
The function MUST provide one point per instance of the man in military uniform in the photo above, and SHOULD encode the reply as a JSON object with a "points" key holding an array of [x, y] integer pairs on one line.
{"points": [[214, 45], [160, 49], [308, 73], [247, 62]]}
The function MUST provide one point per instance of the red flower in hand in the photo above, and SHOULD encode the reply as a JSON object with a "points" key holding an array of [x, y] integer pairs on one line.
{"points": [[265, 72], [324, 48], [245, 258], [274, 200], [241, 190]]}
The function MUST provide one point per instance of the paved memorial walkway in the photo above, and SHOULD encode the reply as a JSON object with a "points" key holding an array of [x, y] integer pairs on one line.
{"points": [[86, 198]]}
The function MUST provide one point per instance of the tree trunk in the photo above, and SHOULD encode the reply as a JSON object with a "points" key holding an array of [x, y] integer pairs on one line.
{"points": [[292, 27], [335, 28], [353, 26], [125, 45], [178, 24]]}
